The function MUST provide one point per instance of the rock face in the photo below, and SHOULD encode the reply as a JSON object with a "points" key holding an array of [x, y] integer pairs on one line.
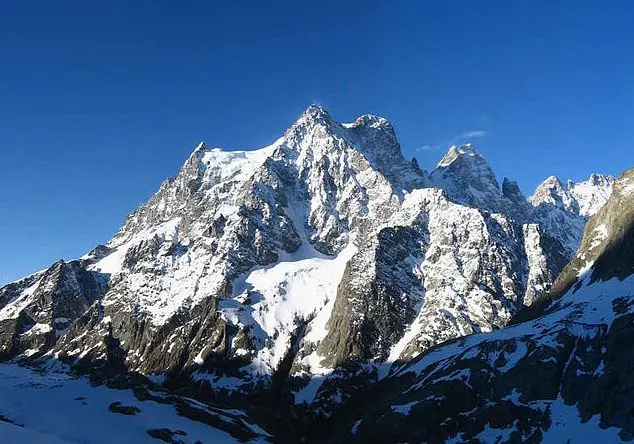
{"points": [[303, 268], [559, 207], [37, 310], [565, 375]]}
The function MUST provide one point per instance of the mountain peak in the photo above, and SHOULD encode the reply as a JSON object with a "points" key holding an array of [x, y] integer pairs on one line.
{"points": [[594, 179], [368, 120], [457, 151], [584, 198], [552, 181], [315, 112], [202, 146], [597, 179], [467, 177], [318, 114], [314, 116], [553, 192]]}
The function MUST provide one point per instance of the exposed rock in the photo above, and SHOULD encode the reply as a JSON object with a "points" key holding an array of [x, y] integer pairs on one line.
{"points": [[129, 410], [567, 373], [166, 435]]}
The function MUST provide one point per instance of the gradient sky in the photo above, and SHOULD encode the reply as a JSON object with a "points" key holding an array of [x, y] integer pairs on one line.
{"points": [[101, 101]]}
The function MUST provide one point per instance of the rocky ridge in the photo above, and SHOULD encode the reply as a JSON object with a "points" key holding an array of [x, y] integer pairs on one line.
{"points": [[566, 375]]}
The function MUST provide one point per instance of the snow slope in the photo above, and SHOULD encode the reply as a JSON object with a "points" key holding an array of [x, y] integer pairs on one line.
{"points": [[55, 408]]}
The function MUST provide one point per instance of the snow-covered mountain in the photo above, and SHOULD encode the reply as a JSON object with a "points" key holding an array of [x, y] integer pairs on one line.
{"points": [[297, 273], [565, 376], [559, 207], [583, 198]]}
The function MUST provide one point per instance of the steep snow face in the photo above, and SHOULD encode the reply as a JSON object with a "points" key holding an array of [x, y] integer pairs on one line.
{"points": [[460, 296], [222, 166], [591, 194], [295, 294]]}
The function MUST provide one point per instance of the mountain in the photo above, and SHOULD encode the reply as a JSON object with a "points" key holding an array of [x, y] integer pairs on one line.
{"points": [[582, 198], [295, 275], [566, 375], [467, 178], [559, 207]]}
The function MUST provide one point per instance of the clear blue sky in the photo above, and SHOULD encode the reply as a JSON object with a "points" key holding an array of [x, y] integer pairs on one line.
{"points": [[100, 101]]}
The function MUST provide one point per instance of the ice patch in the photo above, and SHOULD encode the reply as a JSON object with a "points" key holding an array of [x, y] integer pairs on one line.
{"points": [[43, 403], [585, 269], [566, 426], [600, 235], [403, 409]]}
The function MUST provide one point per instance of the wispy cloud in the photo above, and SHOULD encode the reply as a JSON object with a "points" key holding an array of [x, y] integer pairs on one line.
{"points": [[428, 148], [456, 140], [466, 136], [477, 133]]}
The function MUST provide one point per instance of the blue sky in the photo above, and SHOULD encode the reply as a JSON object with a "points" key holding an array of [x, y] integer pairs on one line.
{"points": [[100, 101]]}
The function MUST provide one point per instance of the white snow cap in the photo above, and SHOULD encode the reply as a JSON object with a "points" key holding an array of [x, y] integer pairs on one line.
{"points": [[202, 146], [454, 152]]}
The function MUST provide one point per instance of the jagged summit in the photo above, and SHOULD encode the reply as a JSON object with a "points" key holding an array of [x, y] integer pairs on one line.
{"points": [[316, 134], [455, 152], [202, 145], [318, 113], [563, 209], [467, 178], [369, 120], [316, 110], [583, 198], [596, 179], [314, 114], [466, 158], [552, 191]]}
